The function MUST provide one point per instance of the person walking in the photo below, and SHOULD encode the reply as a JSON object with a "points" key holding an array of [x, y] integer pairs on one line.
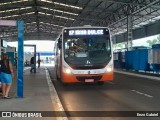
{"points": [[32, 64], [7, 75]]}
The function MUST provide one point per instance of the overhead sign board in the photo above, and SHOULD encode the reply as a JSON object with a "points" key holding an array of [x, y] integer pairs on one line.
{"points": [[8, 23]]}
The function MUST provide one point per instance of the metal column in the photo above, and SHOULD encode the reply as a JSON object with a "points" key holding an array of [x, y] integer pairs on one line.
{"points": [[35, 59], [20, 68], [129, 32]]}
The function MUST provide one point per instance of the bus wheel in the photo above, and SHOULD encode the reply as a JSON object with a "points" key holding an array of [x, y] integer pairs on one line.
{"points": [[100, 83]]}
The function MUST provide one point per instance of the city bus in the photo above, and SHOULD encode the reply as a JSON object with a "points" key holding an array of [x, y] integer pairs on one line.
{"points": [[84, 54]]}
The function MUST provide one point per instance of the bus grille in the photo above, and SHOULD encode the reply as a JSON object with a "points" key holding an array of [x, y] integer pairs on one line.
{"points": [[82, 78]]}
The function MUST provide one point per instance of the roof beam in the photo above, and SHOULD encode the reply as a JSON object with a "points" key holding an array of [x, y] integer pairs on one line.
{"points": [[134, 13]]}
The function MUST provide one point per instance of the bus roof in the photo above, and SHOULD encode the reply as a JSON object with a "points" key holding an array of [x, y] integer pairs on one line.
{"points": [[86, 26]]}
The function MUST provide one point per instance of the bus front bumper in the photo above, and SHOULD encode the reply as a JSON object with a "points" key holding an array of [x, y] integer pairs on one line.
{"points": [[71, 78]]}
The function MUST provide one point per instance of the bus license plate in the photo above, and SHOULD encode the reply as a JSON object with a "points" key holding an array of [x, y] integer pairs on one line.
{"points": [[89, 80]]}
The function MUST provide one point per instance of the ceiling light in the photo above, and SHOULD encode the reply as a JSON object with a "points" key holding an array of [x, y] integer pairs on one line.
{"points": [[17, 15], [17, 9], [59, 11], [7, 3], [51, 24], [56, 16], [66, 5], [62, 4]]}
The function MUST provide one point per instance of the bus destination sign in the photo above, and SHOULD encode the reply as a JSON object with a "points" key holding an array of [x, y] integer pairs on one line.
{"points": [[86, 32]]}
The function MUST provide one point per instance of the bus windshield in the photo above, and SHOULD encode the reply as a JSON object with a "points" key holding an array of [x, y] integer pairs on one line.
{"points": [[87, 50]]}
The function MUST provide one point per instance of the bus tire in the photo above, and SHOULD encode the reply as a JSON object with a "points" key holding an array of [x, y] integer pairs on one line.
{"points": [[100, 83]]}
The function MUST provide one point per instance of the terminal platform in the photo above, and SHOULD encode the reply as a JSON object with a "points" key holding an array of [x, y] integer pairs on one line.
{"points": [[36, 98]]}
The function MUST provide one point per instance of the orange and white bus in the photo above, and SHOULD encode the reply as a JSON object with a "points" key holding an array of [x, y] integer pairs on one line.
{"points": [[84, 54]]}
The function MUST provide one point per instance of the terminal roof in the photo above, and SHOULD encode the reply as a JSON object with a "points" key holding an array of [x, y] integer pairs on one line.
{"points": [[44, 19]]}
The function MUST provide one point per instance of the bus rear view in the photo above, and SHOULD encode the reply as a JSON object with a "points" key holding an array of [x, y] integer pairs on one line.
{"points": [[85, 55]]}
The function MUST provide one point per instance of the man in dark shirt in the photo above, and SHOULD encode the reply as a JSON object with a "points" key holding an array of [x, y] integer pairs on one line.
{"points": [[39, 62], [32, 64]]}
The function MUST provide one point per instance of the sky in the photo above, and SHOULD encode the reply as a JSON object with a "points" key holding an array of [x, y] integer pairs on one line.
{"points": [[42, 45]]}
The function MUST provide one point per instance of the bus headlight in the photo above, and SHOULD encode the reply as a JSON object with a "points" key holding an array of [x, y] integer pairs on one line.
{"points": [[67, 70], [109, 68]]}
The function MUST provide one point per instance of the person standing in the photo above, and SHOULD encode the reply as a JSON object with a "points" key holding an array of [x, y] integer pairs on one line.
{"points": [[32, 64], [39, 63], [7, 75]]}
